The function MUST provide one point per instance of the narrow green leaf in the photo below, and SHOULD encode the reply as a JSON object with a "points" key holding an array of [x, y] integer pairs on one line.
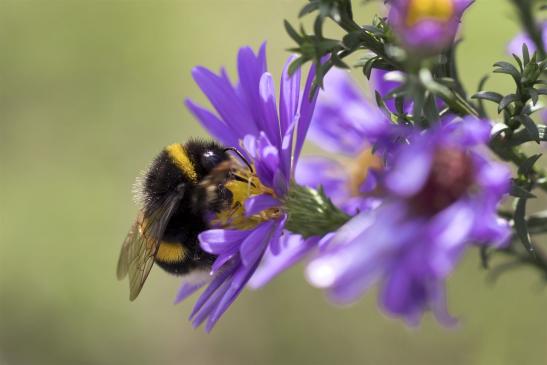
{"points": [[519, 192], [525, 54], [526, 167], [521, 226], [292, 32], [488, 95], [519, 62], [506, 100], [308, 8], [530, 126], [533, 95], [507, 68]]}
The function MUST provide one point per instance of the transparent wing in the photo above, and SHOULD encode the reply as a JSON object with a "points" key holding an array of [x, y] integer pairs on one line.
{"points": [[141, 245]]}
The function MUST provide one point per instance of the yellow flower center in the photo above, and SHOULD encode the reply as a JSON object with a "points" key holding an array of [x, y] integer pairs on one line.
{"points": [[419, 10], [360, 167], [243, 185]]}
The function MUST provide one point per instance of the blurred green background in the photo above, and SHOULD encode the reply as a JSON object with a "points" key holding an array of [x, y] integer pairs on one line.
{"points": [[90, 91]]}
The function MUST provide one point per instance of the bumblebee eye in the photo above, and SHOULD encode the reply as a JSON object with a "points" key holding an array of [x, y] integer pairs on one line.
{"points": [[210, 159]]}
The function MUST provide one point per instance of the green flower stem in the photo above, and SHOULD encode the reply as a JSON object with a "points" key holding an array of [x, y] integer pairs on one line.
{"points": [[311, 213]]}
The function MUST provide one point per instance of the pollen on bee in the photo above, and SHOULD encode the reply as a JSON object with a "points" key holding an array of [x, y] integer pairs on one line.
{"points": [[244, 185]]}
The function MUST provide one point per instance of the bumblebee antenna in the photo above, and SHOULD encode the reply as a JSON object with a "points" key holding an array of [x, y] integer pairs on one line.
{"points": [[241, 157]]}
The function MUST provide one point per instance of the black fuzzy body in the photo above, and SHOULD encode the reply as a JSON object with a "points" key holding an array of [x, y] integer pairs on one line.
{"points": [[164, 180]]}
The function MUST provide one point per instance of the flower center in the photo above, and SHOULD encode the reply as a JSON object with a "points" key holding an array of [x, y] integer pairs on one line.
{"points": [[451, 177], [419, 10], [242, 185], [360, 168]]}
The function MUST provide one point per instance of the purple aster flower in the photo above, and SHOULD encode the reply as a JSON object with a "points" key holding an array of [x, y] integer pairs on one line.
{"points": [[515, 46], [426, 26], [346, 123], [441, 192], [248, 118]]}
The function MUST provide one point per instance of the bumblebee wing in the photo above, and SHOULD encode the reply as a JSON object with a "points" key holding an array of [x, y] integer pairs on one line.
{"points": [[123, 261], [141, 245]]}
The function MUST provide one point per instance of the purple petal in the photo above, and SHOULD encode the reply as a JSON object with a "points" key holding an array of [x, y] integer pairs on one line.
{"points": [[294, 250], [254, 244], [438, 306], [515, 46], [330, 174], [250, 69], [240, 278], [344, 121], [404, 296], [210, 305], [216, 127], [275, 242], [289, 95], [216, 282], [258, 203], [449, 232], [222, 95], [221, 241], [270, 122], [281, 183], [188, 289], [307, 106], [267, 160], [410, 169], [494, 178], [471, 132], [286, 149], [249, 143], [220, 261]]}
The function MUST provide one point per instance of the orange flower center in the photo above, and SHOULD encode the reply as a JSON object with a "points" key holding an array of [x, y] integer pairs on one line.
{"points": [[360, 167]]}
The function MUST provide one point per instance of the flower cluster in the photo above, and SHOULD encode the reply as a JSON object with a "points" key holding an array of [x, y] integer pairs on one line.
{"points": [[411, 182], [439, 196], [248, 119]]}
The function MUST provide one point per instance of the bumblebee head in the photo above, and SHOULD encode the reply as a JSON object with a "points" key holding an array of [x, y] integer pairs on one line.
{"points": [[205, 156]]}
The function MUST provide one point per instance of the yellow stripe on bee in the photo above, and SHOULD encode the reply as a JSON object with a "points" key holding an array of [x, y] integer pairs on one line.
{"points": [[171, 253], [179, 156]]}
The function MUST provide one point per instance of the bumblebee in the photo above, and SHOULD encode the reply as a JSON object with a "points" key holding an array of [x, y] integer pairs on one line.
{"points": [[184, 184]]}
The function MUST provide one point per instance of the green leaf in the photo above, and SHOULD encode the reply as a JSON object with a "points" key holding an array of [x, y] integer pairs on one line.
{"points": [[525, 54], [521, 226], [533, 95], [506, 100], [507, 68], [527, 165], [483, 250], [308, 8], [292, 32], [530, 126], [488, 95], [297, 63], [523, 136], [367, 68], [519, 192], [352, 40], [519, 62]]}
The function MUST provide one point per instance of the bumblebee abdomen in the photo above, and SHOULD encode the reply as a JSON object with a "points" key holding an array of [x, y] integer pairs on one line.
{"points": [[179, 259], [171, 252]]}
